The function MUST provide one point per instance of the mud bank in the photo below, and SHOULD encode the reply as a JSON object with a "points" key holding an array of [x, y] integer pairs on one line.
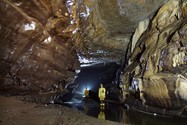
{"points": [[16, 112]]}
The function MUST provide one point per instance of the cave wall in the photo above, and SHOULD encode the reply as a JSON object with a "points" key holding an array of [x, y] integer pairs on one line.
{"points": [[35, 55], [156, 74]]}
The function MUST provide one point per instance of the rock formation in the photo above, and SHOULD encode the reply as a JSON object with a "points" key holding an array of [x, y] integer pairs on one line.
{"points": [[35, 55], [105, 33], [157, 65], [43, 42], [40, 40]]}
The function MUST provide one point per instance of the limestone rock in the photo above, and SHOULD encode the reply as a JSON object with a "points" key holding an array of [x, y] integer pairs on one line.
{"points": [[157, 70], [106, 28], [35, 55]]}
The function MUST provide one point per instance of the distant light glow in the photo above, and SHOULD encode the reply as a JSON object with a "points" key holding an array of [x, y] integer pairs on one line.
{"points": [[86, 88], [81, 90], [30, 26]]}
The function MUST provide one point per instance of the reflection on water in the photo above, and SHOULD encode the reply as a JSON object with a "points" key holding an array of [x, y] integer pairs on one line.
{"points": [[113, 112], [101, 115], [91, 77], [117, 113]]}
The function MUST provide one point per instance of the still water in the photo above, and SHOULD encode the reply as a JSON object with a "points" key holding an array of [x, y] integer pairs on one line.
{"points": [[90, 77]]}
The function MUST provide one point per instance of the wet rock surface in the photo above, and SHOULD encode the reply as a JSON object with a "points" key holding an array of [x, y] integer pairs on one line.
{"points": [[35, 55], [41, 39], [157, 65], [106, 26]]}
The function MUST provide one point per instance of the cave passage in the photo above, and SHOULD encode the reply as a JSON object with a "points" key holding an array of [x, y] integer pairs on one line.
{"points": [[91, 76], [44, 43]]}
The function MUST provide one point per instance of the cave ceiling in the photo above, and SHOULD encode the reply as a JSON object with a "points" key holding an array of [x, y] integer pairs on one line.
{"points": [[110, 24], [124, 15]]}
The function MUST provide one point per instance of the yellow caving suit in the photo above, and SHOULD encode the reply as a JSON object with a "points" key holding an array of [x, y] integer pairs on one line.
{"points": [[102, 94]]}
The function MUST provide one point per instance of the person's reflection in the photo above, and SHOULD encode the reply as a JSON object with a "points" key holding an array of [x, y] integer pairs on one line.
{"points": [[101, 114], [86, 107]]}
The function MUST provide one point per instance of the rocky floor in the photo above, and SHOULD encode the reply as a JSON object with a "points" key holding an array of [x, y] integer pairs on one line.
{"points": [[16, 112]]}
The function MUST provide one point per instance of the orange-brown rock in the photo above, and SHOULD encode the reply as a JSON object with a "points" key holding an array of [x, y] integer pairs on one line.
{"points": [[35, 55], [157, 75]]}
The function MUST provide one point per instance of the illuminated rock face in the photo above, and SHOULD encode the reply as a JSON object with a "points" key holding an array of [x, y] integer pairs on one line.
{"points": [[156, 71], [107, 30], [35, 55], [40, 40]]}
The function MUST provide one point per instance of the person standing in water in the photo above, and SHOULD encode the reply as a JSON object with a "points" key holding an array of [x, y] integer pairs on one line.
{"points": [[86, 93], [102, 94]]}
